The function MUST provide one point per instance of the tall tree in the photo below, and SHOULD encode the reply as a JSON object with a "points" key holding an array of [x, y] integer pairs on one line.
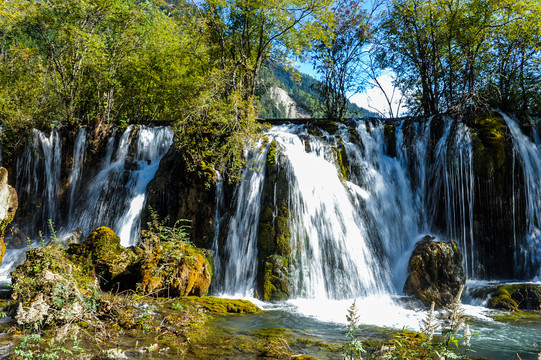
{"points": [[337, 56]]}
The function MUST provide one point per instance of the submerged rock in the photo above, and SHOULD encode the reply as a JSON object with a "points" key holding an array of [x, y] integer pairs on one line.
{"points": [[435, 272], [8, 207]]}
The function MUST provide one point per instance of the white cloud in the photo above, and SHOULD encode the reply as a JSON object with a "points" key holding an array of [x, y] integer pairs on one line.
{"points": [[374, 99]]}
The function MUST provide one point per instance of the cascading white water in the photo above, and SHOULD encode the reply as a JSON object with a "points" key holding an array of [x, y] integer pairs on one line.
{"points": [[454, 166], [38, 176], [217, 222], [529, 156], [115, 196], [151, 146], [334, 258], [353, 237], [78, 160], [239, 268]]}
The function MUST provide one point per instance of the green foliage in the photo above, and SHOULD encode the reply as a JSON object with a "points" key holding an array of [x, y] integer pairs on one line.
{"points": [[415, 346], [33, 346], [455, 55], [337, 56]]}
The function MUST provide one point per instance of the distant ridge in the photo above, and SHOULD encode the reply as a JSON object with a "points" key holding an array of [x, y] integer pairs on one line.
{"points": [[301, 100]]}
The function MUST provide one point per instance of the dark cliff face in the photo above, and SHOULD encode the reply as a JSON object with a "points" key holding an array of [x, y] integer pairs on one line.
{"points": [[176, 193]]}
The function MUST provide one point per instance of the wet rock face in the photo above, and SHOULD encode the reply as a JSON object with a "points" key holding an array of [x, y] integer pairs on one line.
{"points": [[8, 207], [435, 272], [177, 193], [276, 283]]}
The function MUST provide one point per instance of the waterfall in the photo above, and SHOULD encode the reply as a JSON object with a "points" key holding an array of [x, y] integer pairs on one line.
{"points": [[239, 268], [78, 160], [115, 196], [38, 178], [353, 237], [334, 257], [219, 202], [453, 170], [529, 155]]}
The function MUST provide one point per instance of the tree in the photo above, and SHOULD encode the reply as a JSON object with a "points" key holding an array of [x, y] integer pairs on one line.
{"points": [[455, 55], [337, 57]]}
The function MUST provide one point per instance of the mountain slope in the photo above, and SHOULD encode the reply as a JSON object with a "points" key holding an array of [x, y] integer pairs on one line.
{"points": [[301, 100]]}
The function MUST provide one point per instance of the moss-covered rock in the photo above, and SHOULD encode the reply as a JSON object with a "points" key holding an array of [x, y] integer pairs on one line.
{"points": [[501, 299], [515, 297], [222, 306], [276, 281], [341, 158], [435, 272], [114, 265], [180, 192], [51, 288], [327, 125], [176, 269], [274, 235], [8, 207]]}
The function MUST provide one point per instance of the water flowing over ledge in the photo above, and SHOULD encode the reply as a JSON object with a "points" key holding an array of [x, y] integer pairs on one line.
{"points": [[354, 201]]}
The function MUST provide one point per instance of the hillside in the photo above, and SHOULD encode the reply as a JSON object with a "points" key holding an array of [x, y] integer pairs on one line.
{"points": [[300, 98]]}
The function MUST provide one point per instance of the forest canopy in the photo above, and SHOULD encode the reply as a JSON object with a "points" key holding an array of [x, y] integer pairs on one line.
{"points": [[197, 65]]}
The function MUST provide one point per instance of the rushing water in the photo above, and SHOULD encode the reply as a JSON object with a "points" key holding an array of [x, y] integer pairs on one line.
{"points": [[113, 196], [529, 156], [350, 237]]}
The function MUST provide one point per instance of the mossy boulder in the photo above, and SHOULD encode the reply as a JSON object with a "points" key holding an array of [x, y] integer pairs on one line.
{"points": [[51, 288], [8, 207], [115, 266], [435, 272], [176, 268], [515, 297], [489, 146], [276, 281]]}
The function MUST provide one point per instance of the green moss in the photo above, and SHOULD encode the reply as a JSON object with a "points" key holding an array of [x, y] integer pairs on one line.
{"points": [[502, 300], [342, 157], [276, 279], [314, 131], [488, 136], [268, 287], [343, 171], [283, 234], [329, 126], [519, 316], [271, 153], [222, 306]]}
